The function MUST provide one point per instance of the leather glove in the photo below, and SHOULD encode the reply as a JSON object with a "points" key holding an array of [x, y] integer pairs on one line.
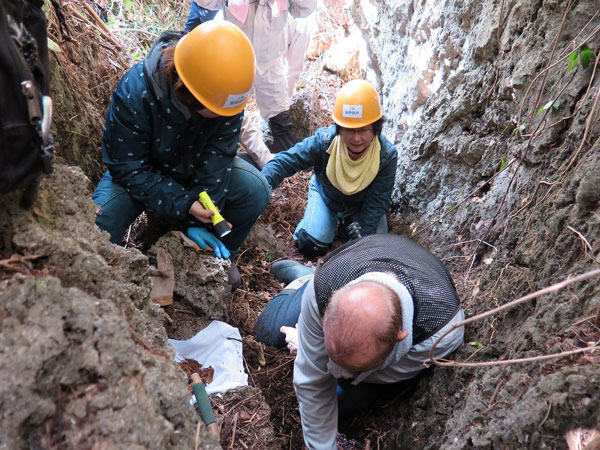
{"points": [[203, 237]]}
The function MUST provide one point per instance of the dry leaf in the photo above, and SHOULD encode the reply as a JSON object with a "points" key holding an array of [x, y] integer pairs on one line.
{"points": [[261, 358], [475, 289]]}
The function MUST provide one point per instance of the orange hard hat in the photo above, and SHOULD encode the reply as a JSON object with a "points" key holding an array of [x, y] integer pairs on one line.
{"points": [[216, 62], [356, 105]]}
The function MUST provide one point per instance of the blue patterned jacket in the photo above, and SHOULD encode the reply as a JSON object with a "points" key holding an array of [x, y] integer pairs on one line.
{"points": [[158, 150]]}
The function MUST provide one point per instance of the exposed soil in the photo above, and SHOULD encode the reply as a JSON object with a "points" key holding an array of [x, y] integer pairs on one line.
{"points": [[270, 370]]}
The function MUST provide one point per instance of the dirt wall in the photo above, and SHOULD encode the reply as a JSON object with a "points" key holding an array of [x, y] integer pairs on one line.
{"points": [[85, 360], [498, 173]]}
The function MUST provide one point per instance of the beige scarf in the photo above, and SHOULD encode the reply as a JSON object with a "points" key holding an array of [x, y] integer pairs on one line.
{"points": [[351, 176]]}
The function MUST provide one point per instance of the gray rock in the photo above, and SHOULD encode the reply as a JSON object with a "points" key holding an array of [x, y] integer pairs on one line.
{"points": [[200, 278], [85, 359]]}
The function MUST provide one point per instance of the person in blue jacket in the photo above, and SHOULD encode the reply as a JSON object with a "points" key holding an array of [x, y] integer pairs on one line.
{"points": [[172, 131], [354, 170]]}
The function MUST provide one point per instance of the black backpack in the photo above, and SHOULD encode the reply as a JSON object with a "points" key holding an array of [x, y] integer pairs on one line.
{"points": [[26, 145]]}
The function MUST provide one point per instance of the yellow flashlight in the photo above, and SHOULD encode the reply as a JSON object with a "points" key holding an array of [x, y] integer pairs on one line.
{"points": [[221, 226]]}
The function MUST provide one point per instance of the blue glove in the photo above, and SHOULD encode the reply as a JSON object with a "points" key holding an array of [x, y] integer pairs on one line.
{"points": [[202, 237]]}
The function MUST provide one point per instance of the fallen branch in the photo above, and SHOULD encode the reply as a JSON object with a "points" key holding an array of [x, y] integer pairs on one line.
{"points": [[197, 435], [136, 30], [241, 402], [77, 13], [547, 290], [100, 23], [584, 241], [546, 416], [285, 363], [96, 23], [8, 264], [235, 419]]}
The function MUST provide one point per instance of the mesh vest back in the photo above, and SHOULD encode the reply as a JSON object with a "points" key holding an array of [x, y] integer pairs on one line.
{"points": [[424, 276]]}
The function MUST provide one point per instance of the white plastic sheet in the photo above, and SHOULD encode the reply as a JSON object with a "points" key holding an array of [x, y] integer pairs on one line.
{"points": [[218, 345]]}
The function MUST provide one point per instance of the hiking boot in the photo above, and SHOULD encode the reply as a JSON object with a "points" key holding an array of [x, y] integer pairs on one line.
{"points": [[283, 132], [287, 270], [233, 276]]}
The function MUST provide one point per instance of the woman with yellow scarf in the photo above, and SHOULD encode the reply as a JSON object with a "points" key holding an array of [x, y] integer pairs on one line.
{"points": [[354, 170]]}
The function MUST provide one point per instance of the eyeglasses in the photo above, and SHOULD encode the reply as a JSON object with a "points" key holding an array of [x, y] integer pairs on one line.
{"points": [[365, 132]]}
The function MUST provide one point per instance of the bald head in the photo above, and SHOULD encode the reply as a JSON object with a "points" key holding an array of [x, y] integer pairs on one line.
{"points": [[361, 325]]}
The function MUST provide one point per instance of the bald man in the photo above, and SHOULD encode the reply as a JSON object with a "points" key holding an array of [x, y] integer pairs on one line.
{"points": [[366, 320], [361, 326]]}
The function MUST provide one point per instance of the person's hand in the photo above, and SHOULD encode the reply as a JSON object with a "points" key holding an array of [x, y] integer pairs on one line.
{"points": [[202, 237], [202, 214], [199, 212], [291, 337]]}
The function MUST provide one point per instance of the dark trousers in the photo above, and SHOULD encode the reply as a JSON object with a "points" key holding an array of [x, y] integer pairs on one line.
{"points": [[283, 310], [353, 399], [247, 198], [198, 15]]}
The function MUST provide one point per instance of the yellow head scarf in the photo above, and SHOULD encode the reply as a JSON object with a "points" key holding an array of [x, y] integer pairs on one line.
{"points": [[351, 176]]}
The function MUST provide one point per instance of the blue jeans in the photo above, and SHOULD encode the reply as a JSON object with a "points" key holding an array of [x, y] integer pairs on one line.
{"points": [[198, 15], [284, 310], [248, 196], [320, 221]]}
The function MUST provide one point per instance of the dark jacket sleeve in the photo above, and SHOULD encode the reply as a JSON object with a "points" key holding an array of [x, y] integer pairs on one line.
{"points": [[126, 147], [379, 193], [301, 156], [147, 153]]}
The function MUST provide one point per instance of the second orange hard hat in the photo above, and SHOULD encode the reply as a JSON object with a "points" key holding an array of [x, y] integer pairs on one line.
{"points": [[356, 105]]}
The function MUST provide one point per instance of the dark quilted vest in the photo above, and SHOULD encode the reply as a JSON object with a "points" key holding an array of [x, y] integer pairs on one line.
{"points": [[424, 276]]}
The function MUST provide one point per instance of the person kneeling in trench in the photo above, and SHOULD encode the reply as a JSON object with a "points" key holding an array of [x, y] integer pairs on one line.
{"points": [[354, 169], [367, 319], [172, 131]]}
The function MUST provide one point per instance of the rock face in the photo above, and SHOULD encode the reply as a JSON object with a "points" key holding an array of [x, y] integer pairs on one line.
{"points": [[83, 349], [200, 278], [499, 156]]}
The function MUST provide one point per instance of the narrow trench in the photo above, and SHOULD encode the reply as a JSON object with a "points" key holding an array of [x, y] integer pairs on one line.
{"points": [[243, 421]]}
